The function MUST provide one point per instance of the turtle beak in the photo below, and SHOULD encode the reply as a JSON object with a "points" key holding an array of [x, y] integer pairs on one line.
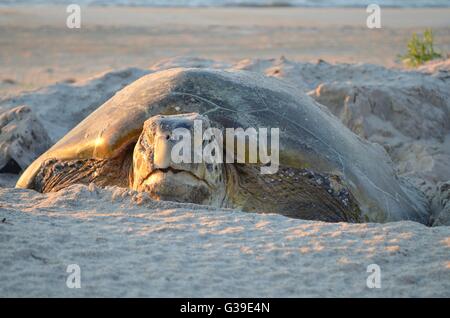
{"points": [[162, 149]]}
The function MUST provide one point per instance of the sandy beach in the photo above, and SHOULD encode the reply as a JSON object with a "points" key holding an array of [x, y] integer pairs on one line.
{"points": [[37, 48], [130, 245]]}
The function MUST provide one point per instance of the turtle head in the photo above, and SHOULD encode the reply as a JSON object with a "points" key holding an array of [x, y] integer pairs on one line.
{"points": [[168, 161]]}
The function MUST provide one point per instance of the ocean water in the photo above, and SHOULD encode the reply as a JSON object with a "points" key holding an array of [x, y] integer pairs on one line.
{"points": [[225, 3]]}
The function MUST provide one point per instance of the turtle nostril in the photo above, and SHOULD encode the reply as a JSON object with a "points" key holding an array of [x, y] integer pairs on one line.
{"points": [[167, 137]]}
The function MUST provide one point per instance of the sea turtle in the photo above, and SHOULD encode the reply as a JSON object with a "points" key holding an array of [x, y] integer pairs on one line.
{"points": [[326, 172]]}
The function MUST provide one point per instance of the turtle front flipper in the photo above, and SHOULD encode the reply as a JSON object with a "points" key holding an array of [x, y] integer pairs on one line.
{"points": [[55, 175], [298, 193]]}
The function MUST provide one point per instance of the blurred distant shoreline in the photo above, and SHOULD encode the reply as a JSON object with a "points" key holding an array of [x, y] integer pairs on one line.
{"points": [[238, 3], [38, 49]]}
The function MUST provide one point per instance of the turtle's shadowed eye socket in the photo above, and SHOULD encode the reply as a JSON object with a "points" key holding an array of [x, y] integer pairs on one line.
{"points": [[184, 125]]}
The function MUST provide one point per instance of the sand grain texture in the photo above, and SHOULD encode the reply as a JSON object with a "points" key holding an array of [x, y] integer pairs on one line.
{"points": [[129, 245]]}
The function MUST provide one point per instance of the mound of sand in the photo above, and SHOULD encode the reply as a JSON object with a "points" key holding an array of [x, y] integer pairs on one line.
{"points": [[60, 107]]}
